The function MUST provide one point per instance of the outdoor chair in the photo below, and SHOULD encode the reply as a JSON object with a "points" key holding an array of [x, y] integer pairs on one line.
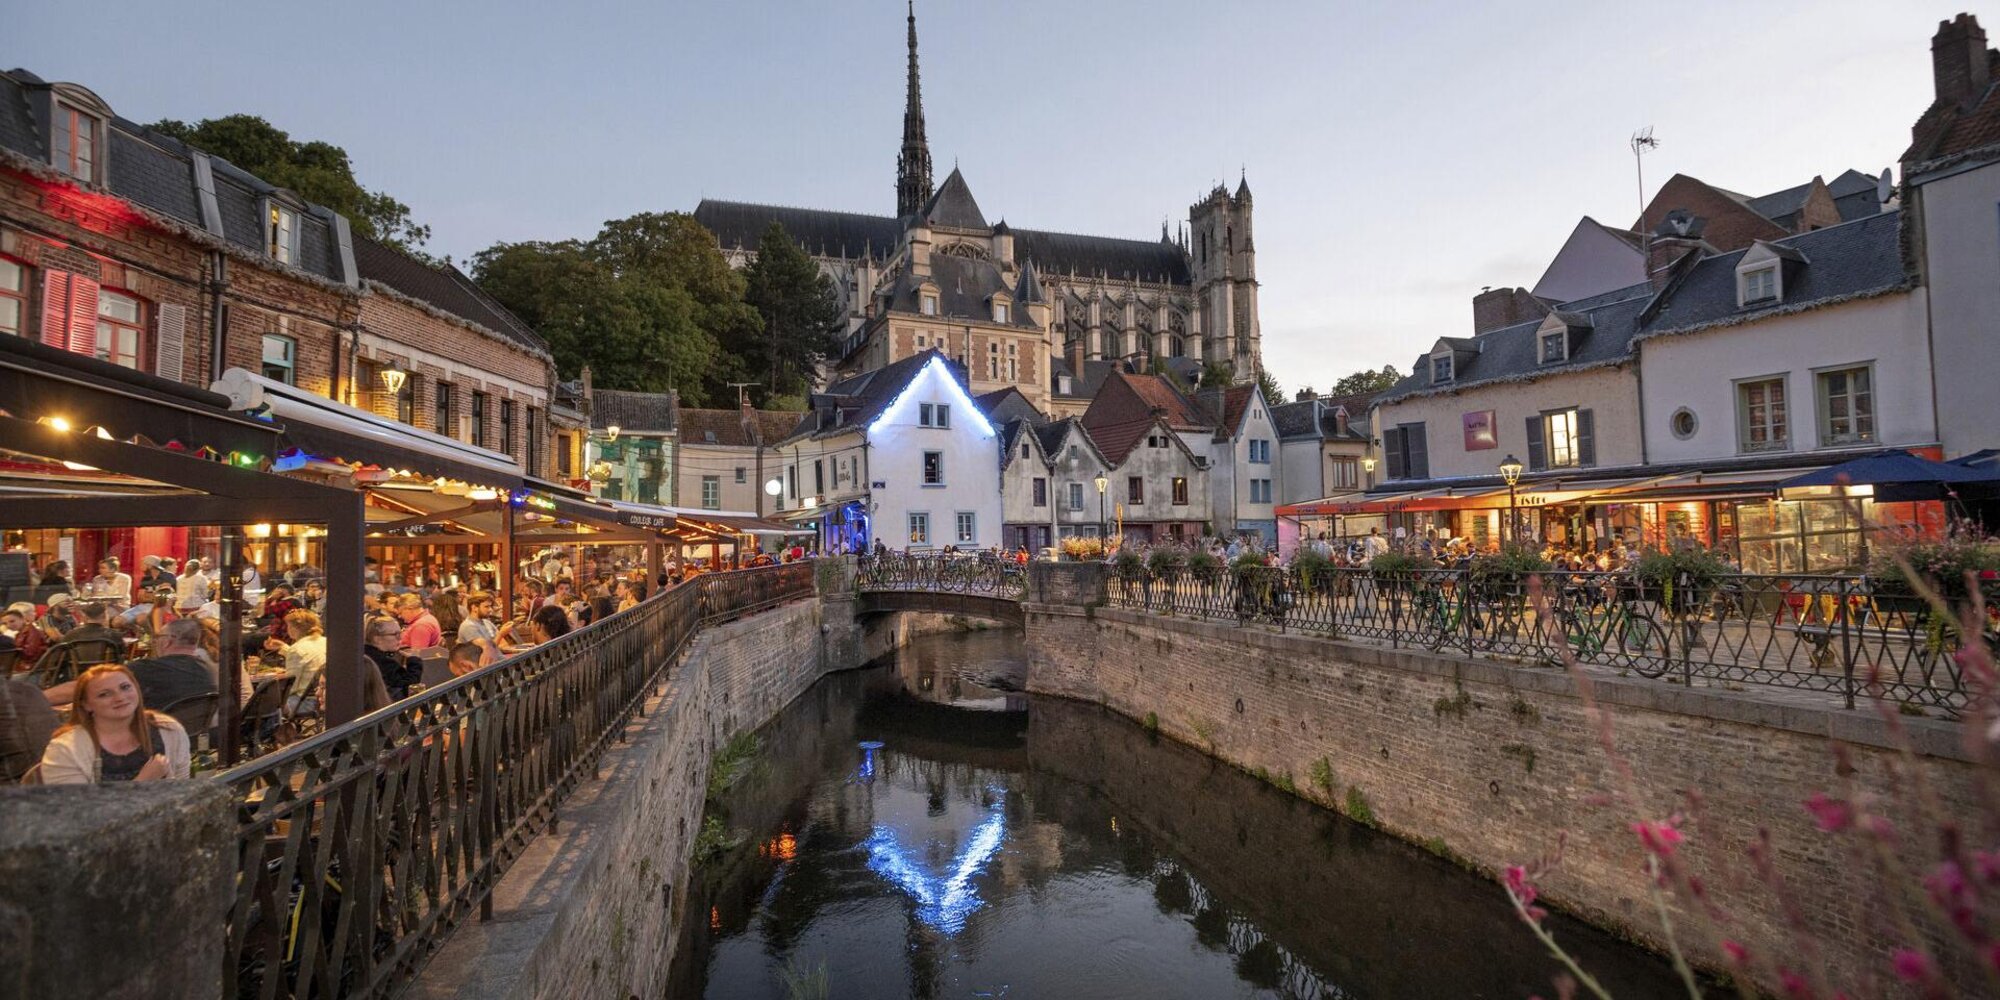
{"points": [[194, 714], [63, 661], [262, 714]]}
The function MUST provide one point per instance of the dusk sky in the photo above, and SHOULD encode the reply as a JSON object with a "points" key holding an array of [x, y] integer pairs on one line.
{"points": [[1402, 155]]}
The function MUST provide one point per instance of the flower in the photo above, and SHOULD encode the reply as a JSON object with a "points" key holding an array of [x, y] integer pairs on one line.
{"points": [[1832, 815], [1738, 954], [1658, 838], [1912, 966], [1524, 894]]}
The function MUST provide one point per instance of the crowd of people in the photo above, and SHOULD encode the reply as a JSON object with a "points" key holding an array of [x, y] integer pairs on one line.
{"points": [[113, 678]]}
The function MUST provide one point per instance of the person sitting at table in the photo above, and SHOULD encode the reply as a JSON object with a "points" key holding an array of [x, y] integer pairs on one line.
{"points": [[154, 574], [176, 671], [548, 623], [383, 652], [18, 621], [27, 720], [466, 657], [111, 736], [420, 627], [278, 603], [305, 654], [57, 575]]}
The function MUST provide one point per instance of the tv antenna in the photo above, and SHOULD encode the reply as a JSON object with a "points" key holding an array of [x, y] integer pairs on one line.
{"points": [[741, 396], [1642, 143]]}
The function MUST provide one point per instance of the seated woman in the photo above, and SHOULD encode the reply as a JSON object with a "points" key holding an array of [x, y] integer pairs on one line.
{"points": [[305, 656], [110, 736]]}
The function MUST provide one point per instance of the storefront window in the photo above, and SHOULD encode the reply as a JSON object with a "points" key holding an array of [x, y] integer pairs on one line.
{"points": [[1800, 536]]}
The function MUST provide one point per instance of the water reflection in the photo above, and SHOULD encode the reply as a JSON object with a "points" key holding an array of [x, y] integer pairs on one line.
{"points": [[923, 830]]}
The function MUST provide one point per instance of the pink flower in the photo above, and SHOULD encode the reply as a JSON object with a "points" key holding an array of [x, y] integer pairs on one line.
{"points": [[1795, 985], [1737, 953], [1912, 966], [1987, 864], [1524, 893], [1832, 815], [1658, 838]]}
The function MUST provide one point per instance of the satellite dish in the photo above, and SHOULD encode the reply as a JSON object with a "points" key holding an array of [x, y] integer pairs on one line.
{"points": [[1885, 188]]}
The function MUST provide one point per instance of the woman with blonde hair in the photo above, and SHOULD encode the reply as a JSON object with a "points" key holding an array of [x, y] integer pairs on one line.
{"points": [[305, 656], [110, 736]]}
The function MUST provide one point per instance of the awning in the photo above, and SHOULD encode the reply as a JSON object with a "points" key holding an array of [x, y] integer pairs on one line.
{"points": [[42, 383], [325, 429], [1338, 503], [1709, 486]]}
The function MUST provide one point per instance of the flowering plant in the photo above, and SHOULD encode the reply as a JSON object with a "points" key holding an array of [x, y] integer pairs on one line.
{"points": [[1083, 549], [1943, 563]]}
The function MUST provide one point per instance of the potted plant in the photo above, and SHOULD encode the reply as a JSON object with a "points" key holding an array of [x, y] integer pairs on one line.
{"points": [[1312, 569], [1079, 548], [1163, 565], [1504, 574], [1943, 564], [1394, 571], [1129, 566], [1206, 569], [1683, 579]]}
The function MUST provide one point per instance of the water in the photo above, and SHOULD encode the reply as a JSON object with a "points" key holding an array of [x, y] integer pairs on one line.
{"points": [[921, 829]]}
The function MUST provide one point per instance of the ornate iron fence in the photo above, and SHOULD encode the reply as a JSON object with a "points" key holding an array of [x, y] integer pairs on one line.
{"points": [[968, 573], [1824, 633], [359, 849]]}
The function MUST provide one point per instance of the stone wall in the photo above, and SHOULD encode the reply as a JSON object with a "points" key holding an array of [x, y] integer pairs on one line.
{"points": [[1490, 761], [593, 909]]}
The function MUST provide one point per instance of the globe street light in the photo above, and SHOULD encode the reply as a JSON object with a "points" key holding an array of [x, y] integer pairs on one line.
{"points": [[1510, 470], [774, 487], [1102, 483], [1368, 466]]}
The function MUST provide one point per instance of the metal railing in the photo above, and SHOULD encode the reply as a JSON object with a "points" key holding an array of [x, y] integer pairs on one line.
{"points": [[359, 849], [1824, 633], [968, 573]]}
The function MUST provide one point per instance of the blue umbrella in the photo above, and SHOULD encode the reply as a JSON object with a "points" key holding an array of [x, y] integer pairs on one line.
{"points": [[1897, 476]]}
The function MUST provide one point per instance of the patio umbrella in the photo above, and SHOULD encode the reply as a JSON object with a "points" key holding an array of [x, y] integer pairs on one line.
{"points": [[1898, 476]]}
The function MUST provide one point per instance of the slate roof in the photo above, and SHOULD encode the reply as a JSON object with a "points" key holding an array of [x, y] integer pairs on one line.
{"points": [[850, 235], [1140, 260], [855, 401], [727, 428], [445, 287], [965, 290], [1008, 404], [1854, 195], [953, 205], [1050, 435], [156, 172], [1010, 435], [647, 412], [1316, 418], [1509, 353], [1780, 203], [1851, 260]]}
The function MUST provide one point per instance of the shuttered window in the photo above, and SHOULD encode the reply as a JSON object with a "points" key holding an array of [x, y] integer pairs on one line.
{"points": [[1561, 439], [69, 311], [121, 331], [170, 341]]}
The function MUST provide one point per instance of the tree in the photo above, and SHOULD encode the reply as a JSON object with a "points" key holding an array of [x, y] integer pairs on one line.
{"points": [[802, 317], [1365, 381], [1220, 375], [1274, 394], [319, 172], [640, 335], [671, 250]]}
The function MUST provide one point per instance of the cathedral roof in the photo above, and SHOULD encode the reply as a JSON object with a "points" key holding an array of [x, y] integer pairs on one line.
{"points": [[1092, 256], [739, 225], [953, 205]]}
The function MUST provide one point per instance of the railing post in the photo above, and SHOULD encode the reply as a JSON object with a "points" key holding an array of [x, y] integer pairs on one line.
{"points": [[1465, 607], [1846, 642]]}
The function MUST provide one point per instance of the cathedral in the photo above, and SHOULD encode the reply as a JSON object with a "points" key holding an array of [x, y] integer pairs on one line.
{"points": [[1020, 308]]}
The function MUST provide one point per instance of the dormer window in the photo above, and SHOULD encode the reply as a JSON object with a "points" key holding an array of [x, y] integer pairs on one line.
{"points": [[1555, 346], [73, 142], [284, 234], [929, 305], [1441, 369], [1001, 313], [1760, 285]]}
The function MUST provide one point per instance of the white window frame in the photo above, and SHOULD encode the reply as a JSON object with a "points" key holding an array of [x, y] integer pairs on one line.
{"points": [[1758, 285], [14, 292], [1571, 453], [282, 238], [920, 527], [1823, 402], [290, 362], [929, 304], [109, 325], [71, 119], [965, 527], [1445, 363], [1783, 440], [1075, 496], [711, 492], [1001, 313]]}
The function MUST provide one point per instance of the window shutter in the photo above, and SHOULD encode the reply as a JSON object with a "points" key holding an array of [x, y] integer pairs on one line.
{"points": [[55, 309], [1586, 439], [1392, 450], [1419, 458], [1538, 452], [168, 340], [83, 317]]}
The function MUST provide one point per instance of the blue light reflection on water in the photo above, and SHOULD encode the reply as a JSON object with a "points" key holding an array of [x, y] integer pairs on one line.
{"points": [[867, 773], [942, 902]]}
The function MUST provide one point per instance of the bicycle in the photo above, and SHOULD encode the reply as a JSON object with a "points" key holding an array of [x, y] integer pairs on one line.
{"points": [[1634, 634], [1443, 614]]}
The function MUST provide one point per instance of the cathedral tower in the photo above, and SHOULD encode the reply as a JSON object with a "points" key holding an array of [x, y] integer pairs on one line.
{"points": [[913, 164], [1225, 279]]}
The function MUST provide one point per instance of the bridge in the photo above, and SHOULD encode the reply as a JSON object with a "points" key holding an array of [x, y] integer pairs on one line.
{"points": [[976, 586]]}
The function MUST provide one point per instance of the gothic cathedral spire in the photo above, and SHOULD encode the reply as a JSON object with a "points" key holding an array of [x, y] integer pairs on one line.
{"points": [[913, 164]]}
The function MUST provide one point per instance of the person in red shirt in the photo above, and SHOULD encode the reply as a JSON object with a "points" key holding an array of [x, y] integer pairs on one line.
{"points": [[420, 627]]}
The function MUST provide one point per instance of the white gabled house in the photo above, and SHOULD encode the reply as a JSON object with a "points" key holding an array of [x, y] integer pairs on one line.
{"points": [[899, 455]]}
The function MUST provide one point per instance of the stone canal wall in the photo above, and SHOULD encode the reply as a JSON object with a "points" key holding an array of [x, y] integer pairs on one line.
{"points": [[594, 909], [1489, 761]]}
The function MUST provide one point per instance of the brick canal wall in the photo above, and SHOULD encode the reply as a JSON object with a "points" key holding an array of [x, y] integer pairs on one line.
{"points": [[1489, 761], [594, 909]]}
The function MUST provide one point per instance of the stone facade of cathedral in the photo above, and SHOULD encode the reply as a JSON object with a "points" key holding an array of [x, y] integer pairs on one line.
{"points": [[1020, 308]]}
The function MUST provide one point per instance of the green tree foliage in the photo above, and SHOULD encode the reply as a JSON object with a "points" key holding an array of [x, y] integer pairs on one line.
{"points": [[319, 172], [1219, 375], [1273, 393], [1366, 381], [801, 314]]}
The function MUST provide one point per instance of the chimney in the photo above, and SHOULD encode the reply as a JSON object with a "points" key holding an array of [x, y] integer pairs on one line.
{"points": [[1959, 65], [1304, 394], [1494, 308], [1076, 365]]}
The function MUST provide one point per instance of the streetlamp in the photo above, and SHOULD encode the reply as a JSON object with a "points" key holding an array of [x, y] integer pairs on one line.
{"points": [[1102, 484], [1368, 466], [1510, 470]]}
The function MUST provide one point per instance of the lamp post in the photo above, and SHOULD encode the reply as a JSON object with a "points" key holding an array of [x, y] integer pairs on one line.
{"points": [[1510, 470], [1102, 484], [1368, 466]]}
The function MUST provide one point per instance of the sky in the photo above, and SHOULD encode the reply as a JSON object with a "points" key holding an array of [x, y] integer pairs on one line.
{"points": [[1402, 156]]}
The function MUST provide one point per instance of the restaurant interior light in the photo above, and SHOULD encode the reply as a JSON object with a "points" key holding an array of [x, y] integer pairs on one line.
{"points": [[58, 423]]}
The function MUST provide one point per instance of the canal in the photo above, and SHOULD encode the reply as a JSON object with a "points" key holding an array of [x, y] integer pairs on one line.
{"points": [[919, 828]]}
